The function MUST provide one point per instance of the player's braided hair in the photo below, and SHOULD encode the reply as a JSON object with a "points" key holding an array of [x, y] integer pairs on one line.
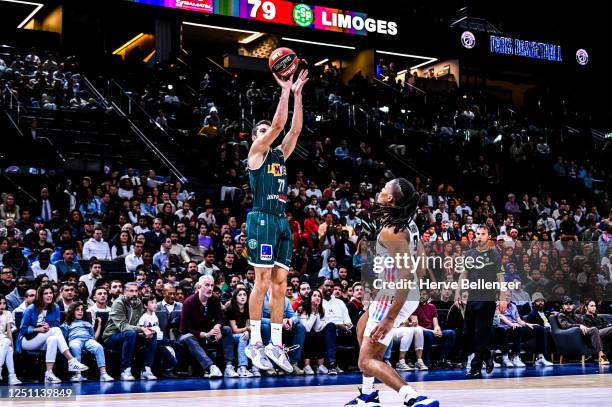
{"points": [[402, 211]]}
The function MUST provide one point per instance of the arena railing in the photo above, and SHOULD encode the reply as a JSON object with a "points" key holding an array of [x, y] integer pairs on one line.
{"points": [[135, 129]]}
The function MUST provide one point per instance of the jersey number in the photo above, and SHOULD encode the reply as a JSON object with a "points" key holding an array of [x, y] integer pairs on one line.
{"points": [[281, 185]]}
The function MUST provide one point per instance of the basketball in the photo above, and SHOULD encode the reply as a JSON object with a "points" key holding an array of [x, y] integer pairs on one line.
{"points": [[283, 62]]}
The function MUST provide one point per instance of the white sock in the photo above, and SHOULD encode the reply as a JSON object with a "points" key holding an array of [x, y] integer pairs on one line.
{"points": [[255, 331], [276, 336], [367, 386], [407, 392]]}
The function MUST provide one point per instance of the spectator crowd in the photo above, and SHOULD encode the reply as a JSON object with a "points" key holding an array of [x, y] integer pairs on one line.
{"points": [[130, 268]]}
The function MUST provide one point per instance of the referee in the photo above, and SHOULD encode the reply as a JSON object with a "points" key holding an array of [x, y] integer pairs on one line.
{"points": [[485, 263]]}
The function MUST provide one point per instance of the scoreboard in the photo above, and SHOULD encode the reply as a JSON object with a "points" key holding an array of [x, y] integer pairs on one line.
{"points": [[287, 13]]}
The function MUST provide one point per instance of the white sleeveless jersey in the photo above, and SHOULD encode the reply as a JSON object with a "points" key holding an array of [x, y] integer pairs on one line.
{"points": [[383, 299], [392, 274]]}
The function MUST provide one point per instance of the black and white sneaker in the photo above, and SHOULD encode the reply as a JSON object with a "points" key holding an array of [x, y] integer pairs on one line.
{"points": [[369, 400]]}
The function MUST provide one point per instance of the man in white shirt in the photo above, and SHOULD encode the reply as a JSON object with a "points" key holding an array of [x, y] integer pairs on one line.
{"points": [[441, 209], [44, 266], [336, 313], [100, 298], [134, 259], [314, 191], [184, 212], [28, 299], [96, 247], [95, 273], [463, 209], [142, 227], [208, 267]]}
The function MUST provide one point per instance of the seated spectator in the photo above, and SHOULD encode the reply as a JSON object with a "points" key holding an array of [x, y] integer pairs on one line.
{"points": [[7, 323], [519, 332], [173, 308], [201, 321], [537, 315], [40, 331], [166, 358], [321, 334], [208, 266], [567, 319], [44, 266], [134, 259], [96, 247], [194, 251], [17, 296], [68, 263], [67, 294], [115, 291], [237, 316], [81, 335], [155, 237], [160, 259], [122, 332], [100, 299], [337, 314], [357, 304], [95, 273], [330, 270], [28, 299], [404, 335], [591, 319], [426, 316], [303, 293], [123, 246]]}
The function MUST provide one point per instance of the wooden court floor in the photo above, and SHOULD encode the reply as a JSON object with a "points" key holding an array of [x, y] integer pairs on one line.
{"points": [[557, 391]]}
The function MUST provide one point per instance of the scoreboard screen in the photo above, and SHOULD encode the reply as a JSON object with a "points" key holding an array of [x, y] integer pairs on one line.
{"points": [[287, 13]]}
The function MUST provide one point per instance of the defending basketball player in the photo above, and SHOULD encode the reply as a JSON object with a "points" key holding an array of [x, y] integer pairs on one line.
{"points": [[391, 307], [269, 238]]}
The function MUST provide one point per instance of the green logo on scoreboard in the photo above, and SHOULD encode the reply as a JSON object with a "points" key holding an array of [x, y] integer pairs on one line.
{"points": [[303, 15]]}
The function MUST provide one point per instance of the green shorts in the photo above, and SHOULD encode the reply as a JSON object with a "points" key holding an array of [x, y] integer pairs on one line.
{"points": [[269, 240]]}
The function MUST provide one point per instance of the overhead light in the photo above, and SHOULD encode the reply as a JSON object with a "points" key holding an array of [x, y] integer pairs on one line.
{"points": [[251, 38], [384, 109], [424, 63], [428, 60], [216, 27], [148, 57], [325, 44], [403, 71], [321, 62], [170, 87], [127, 44], [32, 14]]}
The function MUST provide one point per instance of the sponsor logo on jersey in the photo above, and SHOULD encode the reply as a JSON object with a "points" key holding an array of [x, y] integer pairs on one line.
{"points": [[277, 170], [252, 244], [265, 252], [282, 198]]}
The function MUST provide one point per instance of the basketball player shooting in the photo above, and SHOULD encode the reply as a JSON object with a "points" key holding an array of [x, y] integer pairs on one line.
{"points": [[269, 239], [391, 307]]}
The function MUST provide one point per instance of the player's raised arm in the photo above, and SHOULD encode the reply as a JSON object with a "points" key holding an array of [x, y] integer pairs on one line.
{"points": [[262, 142], [290, 139]]}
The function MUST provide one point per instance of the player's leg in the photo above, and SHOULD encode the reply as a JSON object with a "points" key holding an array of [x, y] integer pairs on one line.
{"points": [[371, 364], [258, 258], [278, 288]]}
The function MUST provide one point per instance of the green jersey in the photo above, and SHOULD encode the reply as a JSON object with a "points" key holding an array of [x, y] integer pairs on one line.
{"points": [[269, 184]]}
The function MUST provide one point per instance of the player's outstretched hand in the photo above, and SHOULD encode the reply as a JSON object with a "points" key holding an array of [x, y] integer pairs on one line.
{"points": [[285, 84], [299, 83]]}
